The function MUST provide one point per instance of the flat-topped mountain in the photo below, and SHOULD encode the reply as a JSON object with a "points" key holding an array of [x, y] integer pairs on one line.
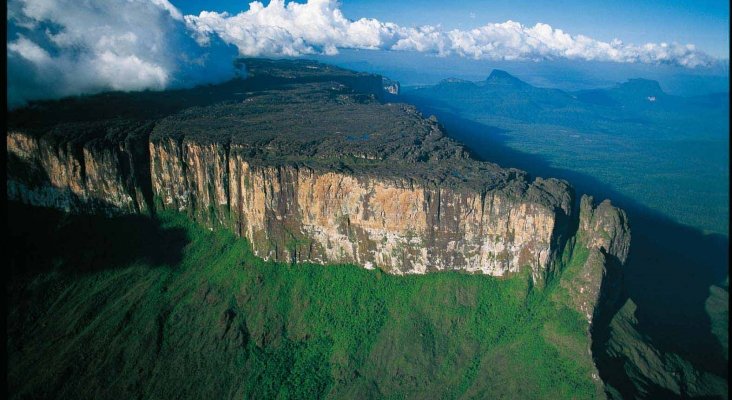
{"points": [[305, 160], [500, 77]]}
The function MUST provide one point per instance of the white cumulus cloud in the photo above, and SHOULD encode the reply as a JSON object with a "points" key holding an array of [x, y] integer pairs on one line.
{"points": [[67, 47], [319, 27]]}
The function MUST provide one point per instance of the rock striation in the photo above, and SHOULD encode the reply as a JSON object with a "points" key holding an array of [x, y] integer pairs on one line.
{"points": [[90, 167], [299, 213]]}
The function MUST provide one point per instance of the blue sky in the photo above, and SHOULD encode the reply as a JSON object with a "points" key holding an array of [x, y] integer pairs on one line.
{"points": [[704, 23], [59, 48]]}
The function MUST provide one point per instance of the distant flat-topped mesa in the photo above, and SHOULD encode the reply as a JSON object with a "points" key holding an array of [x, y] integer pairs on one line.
{"points": [[304, 160]]}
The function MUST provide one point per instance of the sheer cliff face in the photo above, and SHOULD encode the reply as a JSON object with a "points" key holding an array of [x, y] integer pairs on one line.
{"points": [[299, 214], [77, 175]]}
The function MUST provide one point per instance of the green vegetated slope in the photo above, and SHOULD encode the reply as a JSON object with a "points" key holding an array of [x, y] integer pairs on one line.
{"points": [[133, 307]]}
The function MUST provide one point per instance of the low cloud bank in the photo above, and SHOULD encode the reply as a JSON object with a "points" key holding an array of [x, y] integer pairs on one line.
{"points": [[60, 48], [66, 47]]}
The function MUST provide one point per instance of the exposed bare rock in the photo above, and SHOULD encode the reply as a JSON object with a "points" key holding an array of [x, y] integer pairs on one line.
{"points": [[317, 173], [605, 235], [85, 167]]}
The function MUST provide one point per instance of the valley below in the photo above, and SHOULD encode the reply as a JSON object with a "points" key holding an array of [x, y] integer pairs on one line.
{"points": [[164, 308]]}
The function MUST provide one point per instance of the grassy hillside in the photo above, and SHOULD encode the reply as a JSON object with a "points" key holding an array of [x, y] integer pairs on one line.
{"points": [[139, 308]]}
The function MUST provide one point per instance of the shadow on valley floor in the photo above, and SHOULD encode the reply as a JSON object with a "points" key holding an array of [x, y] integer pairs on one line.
{"points": [[124, 240], [668, 275]]}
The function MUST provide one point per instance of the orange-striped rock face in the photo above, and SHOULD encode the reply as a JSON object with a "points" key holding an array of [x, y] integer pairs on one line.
{"points": [[301, 214], [73, 177]]}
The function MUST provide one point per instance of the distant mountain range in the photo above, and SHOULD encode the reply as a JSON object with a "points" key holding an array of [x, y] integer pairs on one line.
{"points": [[636, 100]]}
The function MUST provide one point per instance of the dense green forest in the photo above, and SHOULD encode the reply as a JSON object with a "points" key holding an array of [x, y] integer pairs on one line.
{"points": [[131, 307]]}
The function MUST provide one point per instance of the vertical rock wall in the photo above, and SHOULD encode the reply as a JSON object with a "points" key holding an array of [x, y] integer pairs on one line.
{"points": [[292, 213], [92, 176], [604, 233]]}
